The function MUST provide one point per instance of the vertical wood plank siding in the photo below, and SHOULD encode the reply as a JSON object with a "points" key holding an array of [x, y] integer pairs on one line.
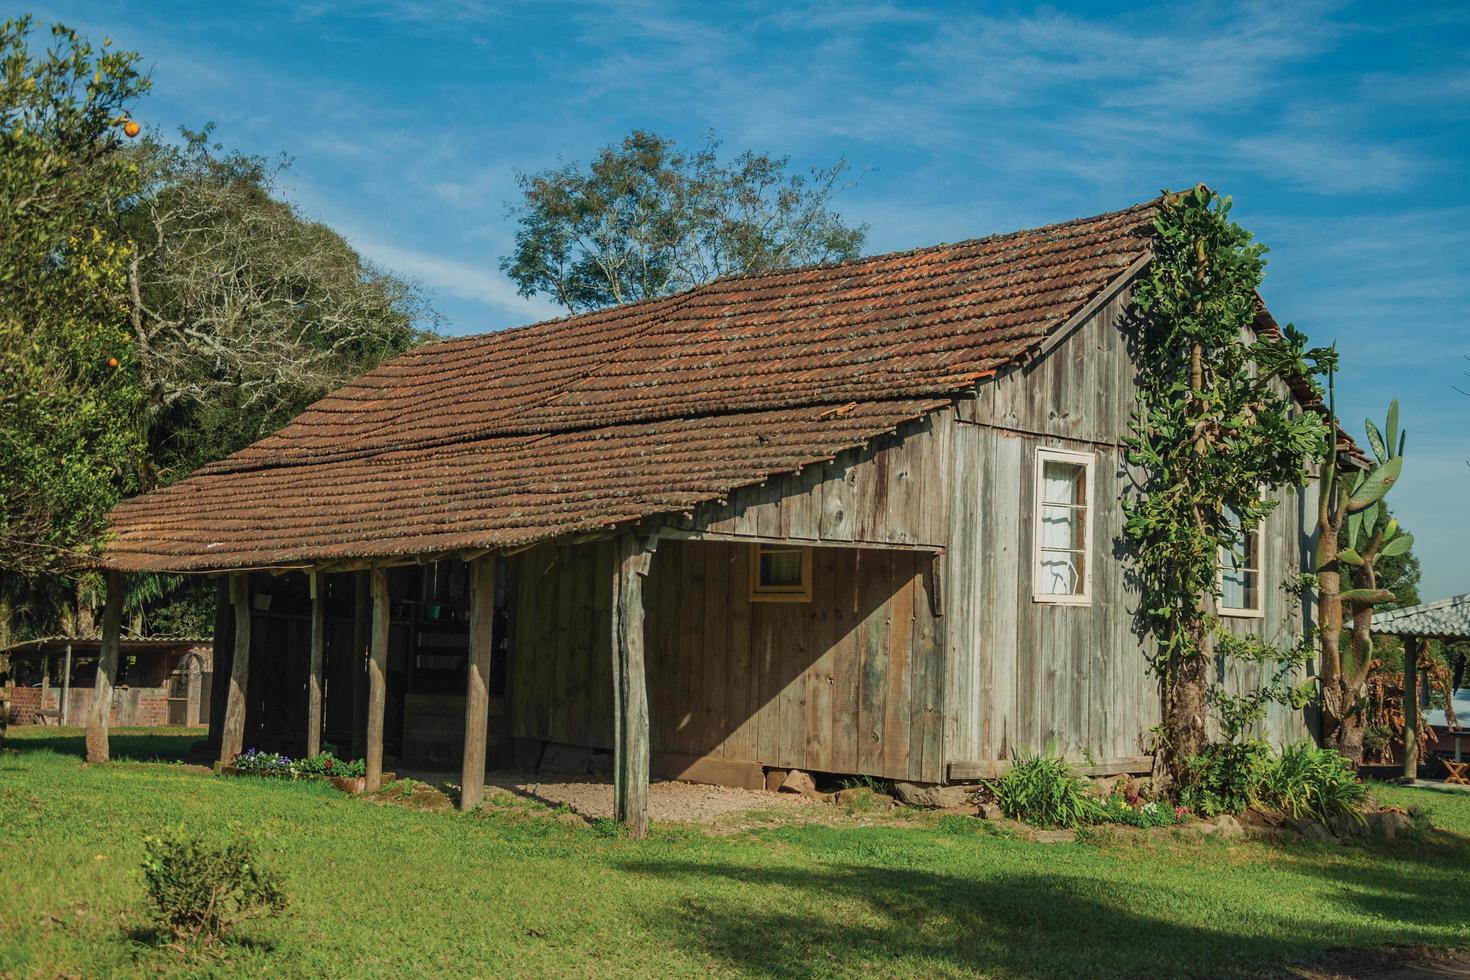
{"points": [[865, 678], [1026, 676], [819, 685]]}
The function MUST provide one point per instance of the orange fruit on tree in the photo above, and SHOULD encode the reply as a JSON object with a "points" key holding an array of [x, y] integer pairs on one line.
{"points": [[112, 362], [132, 128]]}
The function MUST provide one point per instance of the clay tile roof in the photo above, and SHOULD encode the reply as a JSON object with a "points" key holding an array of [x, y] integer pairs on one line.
{"points": [[590, 421]]}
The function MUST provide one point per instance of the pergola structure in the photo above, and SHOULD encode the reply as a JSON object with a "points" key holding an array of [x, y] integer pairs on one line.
{"points": [[1446, 619]]}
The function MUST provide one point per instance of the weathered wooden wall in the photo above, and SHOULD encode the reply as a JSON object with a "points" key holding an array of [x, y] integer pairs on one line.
{"points": [[1024, 675], [894, 491], [849, 682]]}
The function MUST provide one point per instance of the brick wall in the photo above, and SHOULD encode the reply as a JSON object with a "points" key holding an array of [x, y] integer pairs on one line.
{"points": [[24, 702]]}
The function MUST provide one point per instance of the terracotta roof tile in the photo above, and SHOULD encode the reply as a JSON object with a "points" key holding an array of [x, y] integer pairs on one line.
{"points": [[581, 423]]}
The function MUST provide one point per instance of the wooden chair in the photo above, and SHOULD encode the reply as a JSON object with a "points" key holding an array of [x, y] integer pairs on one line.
{"points": [[1458, 773]]}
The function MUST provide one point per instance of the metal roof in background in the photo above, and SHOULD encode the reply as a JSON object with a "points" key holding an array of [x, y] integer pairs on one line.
{"points": [[85, 645], [1446, 619]]}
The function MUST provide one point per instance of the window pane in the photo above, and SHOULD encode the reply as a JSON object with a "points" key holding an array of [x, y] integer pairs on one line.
{"points": [[1061, 527], [1061, 573], [1235, 589], [1062, 483], [1240, 567], [781, 568]]}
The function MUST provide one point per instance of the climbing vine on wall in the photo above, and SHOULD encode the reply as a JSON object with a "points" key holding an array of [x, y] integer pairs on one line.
{"points": [[1215, 430]]}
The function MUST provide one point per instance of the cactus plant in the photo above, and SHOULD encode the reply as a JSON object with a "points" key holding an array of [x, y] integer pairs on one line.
{"points": [[1354, 531]]}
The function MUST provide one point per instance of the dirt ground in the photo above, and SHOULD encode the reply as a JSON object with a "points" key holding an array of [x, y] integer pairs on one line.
{"points": [[670, 801], [592, 796], [1393, 963]]}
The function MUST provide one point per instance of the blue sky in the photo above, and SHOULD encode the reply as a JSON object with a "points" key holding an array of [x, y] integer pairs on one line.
{"points": [[1342, 131]]}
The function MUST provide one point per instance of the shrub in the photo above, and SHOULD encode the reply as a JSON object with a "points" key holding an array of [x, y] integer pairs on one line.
{"points": [[200, 889], [1306, 781], [1223, 777], [1043, 790]]}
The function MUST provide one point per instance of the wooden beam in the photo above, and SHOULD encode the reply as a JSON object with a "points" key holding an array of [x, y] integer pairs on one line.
{"points": [[65, 685], [362, 601], [232, 733], [477, 681], [101, 718], [220, 662], [377, 678], [314, 681], [1412, 646], [685, 534], [633, 556]]}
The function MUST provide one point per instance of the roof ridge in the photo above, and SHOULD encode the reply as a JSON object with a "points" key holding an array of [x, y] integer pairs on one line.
{"points": [[790, 269]]}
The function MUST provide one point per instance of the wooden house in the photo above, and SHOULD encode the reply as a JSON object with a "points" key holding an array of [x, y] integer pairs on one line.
{"points": [[862, 518]]}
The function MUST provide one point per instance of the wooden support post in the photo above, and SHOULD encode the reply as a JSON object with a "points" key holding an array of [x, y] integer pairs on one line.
{"points": [[314, 681], [191, 705], [45, 679], [377, 679], [101, 718], [221, 660], [477, 681], [232, 732], [361, 635], [630, 690], [1412, 646], [65, 684]]}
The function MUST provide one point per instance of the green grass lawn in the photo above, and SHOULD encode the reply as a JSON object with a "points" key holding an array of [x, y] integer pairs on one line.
{"points": [[383, 890]]}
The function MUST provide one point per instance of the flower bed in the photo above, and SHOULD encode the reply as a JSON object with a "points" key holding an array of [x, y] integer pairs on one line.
{"points": [[348, 775], [1152, 813]]}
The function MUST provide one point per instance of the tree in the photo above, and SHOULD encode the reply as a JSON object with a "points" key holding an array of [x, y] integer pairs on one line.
{"points": [[241, 311], [160, 306], [68, 398], [1213, 428], [1354, 529], [647, 219]]}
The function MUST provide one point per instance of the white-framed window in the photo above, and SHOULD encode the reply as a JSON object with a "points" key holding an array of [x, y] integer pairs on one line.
{"points": [[1062, 524], [780, 573], [1240, 571]]}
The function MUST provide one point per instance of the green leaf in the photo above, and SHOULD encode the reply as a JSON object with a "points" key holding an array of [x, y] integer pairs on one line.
{"points": [[1354, 527], [1397, 546], [1370, 597], [1375, 440], [1350, 556], [1372, 516], [1393, 421], [1375, 485]]}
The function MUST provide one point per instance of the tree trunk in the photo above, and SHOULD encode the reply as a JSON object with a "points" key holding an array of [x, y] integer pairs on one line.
{"points": [[1189, 703], [97, 726]]}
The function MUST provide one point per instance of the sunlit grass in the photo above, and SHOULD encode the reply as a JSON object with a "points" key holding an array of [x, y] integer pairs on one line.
{"points": [[386, 890]]}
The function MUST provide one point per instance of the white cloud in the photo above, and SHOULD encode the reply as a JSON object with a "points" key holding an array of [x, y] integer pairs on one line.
{"points": [[478, 283], [1325, 163]]}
